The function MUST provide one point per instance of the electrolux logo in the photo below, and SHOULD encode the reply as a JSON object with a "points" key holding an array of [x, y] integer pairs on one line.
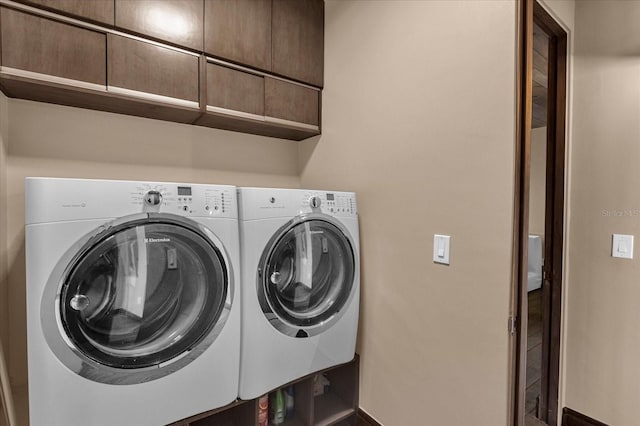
{"points": [[157, 240]]}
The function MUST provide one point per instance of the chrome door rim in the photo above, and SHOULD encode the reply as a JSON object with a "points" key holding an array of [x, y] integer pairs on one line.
{"points": [[76, 360], [268, 310]]}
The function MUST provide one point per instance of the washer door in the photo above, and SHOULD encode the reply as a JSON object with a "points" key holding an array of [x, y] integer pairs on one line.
{"points": [[306, 275], [140, 299]]}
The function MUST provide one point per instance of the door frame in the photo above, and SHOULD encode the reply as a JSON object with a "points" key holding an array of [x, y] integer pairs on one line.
{"points": [[530, 11]]}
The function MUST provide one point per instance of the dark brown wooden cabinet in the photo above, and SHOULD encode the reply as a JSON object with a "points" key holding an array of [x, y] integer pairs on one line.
{"points": [[334, 404], [148, 68], [94, 10], [243, 101], [291, 102], [39, 45], [298, 40], [175, 21], [239, 31], [236, 90], [150, 65]]}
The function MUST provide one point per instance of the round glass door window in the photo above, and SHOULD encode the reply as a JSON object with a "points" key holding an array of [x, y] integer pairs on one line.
{"points": [[307, 276], [143, 294]]}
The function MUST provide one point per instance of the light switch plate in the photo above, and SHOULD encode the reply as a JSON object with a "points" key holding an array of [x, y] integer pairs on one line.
{"points": [[622, 246], [441, 248]]}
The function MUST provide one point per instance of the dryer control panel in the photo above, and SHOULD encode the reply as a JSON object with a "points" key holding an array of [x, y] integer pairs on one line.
{"points": [[263, 203], [333, 203]]}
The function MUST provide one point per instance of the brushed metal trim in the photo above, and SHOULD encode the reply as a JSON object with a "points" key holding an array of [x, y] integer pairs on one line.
{"points": [[153, 97], [87, 25], [290, 123], [72, 357], [257, 72], [52, 79], [234, 113], [265, 304], [262, 118]]}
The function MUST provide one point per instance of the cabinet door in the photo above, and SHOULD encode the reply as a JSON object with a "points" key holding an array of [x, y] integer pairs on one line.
{"points": [[39, 45], [239, 30], [298, 40], [175, 21], [145, 67], [235, 90], [94, 10], [292, 102]]}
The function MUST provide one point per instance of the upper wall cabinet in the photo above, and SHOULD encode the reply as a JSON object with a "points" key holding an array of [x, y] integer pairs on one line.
{"points": [[298, 40], [291, 102], [176, 21], [50, 48], [235, 90], [239, 30], [147, 68], [94, 10], [252, 66]]}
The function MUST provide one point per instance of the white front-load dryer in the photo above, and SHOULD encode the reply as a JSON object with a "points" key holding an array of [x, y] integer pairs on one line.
{"points": [[300, 284], [133, 313]]}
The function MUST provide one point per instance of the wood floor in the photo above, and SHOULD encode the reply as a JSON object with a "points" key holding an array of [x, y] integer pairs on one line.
{"points": [[534, 356]]}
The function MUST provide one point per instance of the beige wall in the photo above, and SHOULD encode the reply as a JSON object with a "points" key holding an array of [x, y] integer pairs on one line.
{"points": [[602, 316], [418, 119], [538, 180], [563, 11], [51, 140]]}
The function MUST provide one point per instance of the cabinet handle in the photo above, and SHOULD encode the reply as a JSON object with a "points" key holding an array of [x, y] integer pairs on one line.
{"points": [[153, 97], [234, 113], [8, 71], [289, 123]]}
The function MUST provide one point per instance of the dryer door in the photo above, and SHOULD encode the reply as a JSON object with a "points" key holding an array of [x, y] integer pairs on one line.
{"points": [[306, 275], [139, 299]]}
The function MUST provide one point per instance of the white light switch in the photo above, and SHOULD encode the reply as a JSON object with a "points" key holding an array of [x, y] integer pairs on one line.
{"points": [[622, 246], [441, 248]]}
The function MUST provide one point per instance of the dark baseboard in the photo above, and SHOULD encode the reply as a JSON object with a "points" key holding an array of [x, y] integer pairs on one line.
{"points": [[573, 418], [569, 418], [365, 420]]}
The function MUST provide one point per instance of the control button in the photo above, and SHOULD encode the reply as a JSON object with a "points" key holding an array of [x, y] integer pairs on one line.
{"points": [[215, 207], [185, 208], [206, 208]]}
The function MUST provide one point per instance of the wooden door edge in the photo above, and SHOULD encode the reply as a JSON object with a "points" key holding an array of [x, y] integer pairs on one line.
{"points": [[524, 77], [6, 396]]}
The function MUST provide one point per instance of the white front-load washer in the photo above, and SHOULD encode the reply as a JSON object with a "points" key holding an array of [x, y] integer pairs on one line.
{"points": [[300, 284], [133, 313]]}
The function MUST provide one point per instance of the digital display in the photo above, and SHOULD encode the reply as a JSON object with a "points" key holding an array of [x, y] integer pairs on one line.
{"points": [[184, 190], [329, 197]]}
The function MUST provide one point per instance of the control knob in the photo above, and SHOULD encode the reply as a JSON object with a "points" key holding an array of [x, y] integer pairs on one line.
{"points": [[315, 202], [153, 198]]}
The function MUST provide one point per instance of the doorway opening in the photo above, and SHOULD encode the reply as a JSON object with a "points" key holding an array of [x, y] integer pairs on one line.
{"points": [[539, 231]]}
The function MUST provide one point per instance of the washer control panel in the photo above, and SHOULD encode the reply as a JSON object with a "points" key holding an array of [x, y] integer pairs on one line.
{"points": [[185, 200], [53, 200]]}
